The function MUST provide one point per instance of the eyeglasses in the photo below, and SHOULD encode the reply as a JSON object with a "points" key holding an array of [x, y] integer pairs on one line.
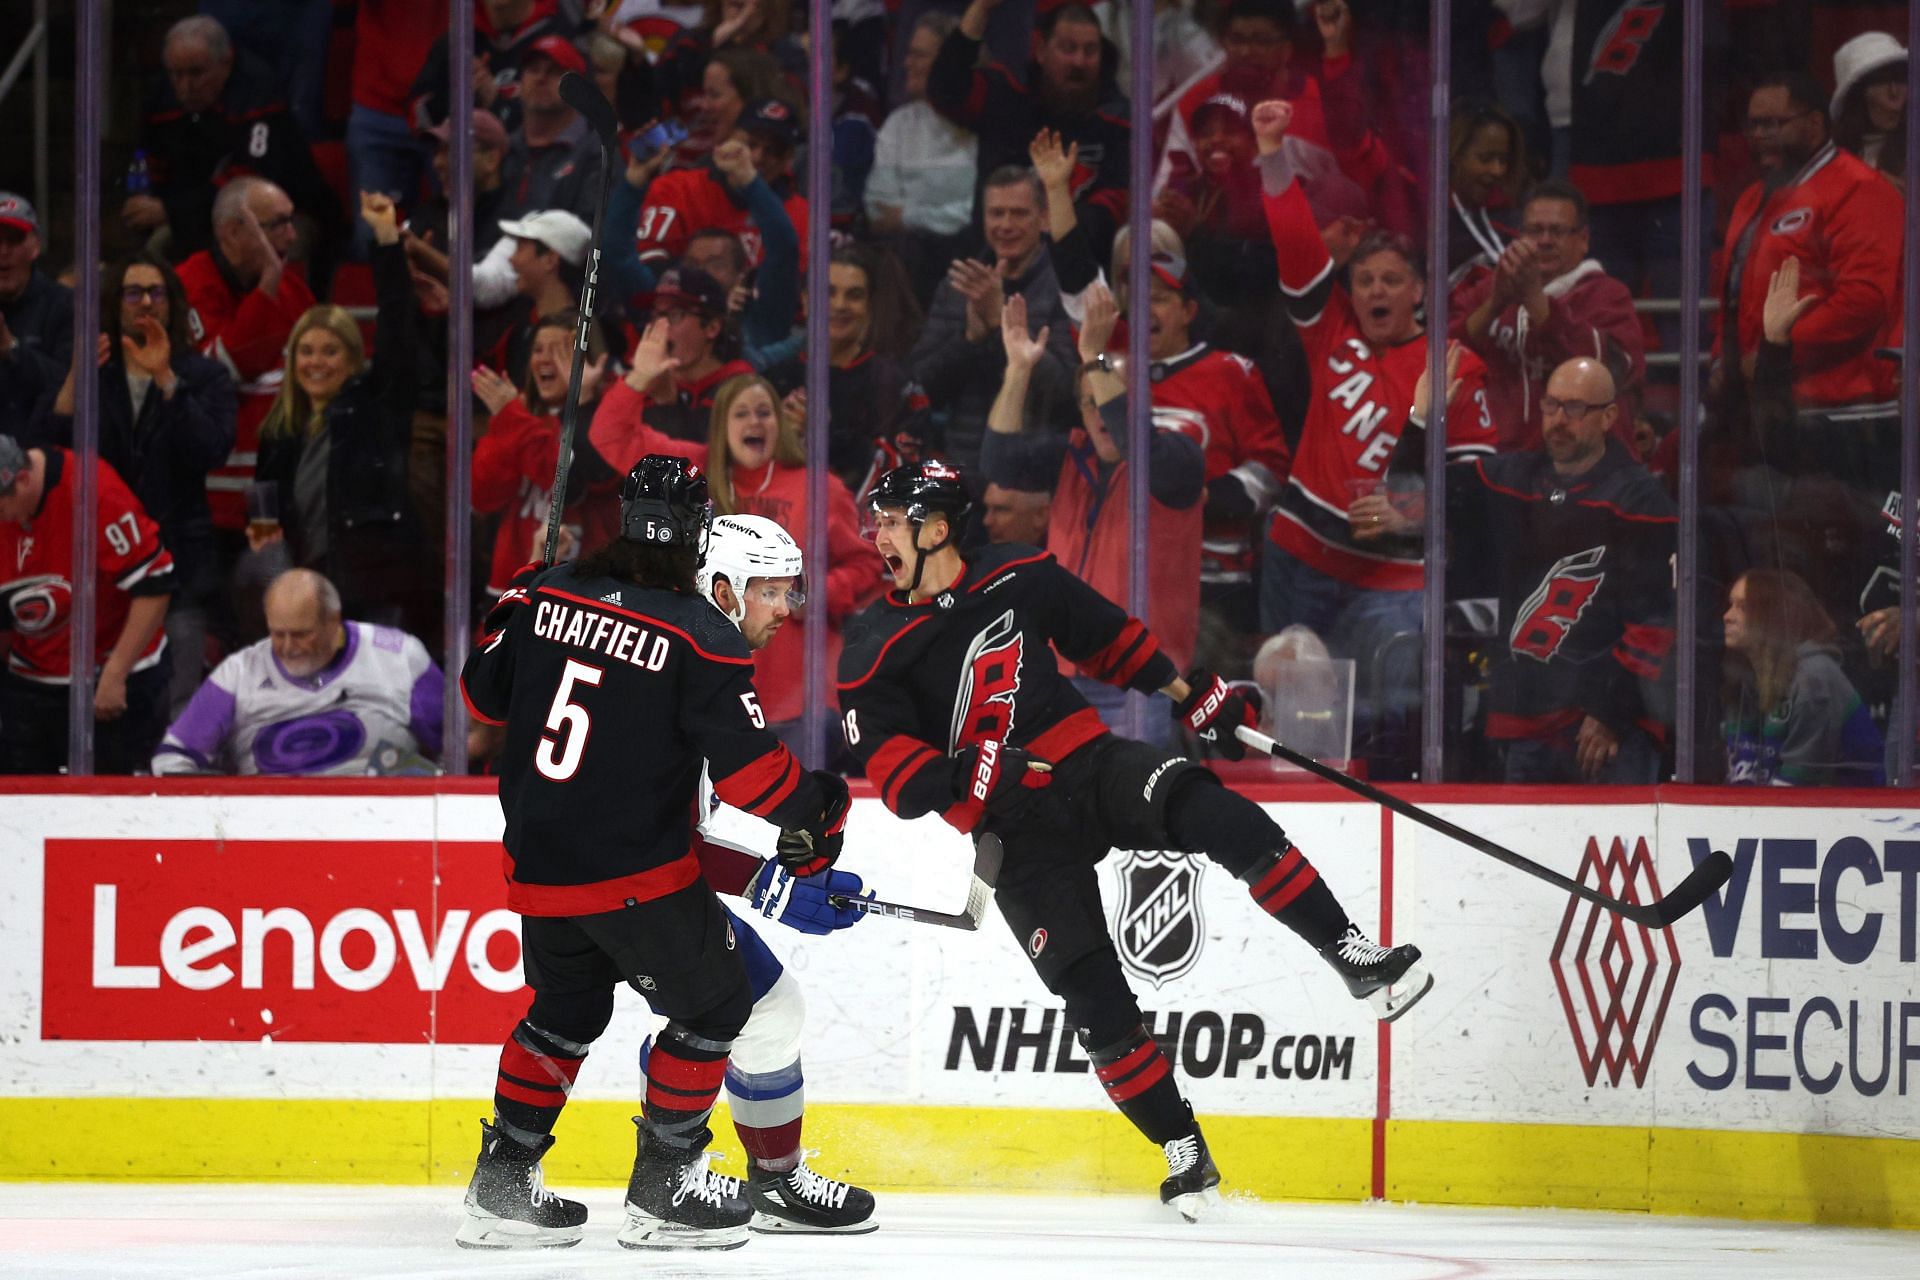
{"points": [[1772, 124], [134, 294], [1549, 406], [281, 223]]}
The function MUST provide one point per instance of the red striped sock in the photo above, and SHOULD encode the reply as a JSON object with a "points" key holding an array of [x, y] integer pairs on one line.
{"points": [[1288, 888], [536, 1076], [1139, 1080], [683, 1083]]}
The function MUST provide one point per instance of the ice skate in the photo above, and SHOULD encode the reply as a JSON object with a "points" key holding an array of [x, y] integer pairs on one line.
{"points": [[802, 1202], [1391, 979], [675, 1202], [508, 1204], [1193, 1183]]}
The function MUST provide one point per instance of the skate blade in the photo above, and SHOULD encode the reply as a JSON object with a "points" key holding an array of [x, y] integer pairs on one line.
{"points": [[767, 1224], [1389, 1002], [484, 1231], [1195, 1206], [656, 1233]]}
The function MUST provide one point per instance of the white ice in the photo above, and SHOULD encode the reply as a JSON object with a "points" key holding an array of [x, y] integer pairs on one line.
{"points": [[292, 1232]]}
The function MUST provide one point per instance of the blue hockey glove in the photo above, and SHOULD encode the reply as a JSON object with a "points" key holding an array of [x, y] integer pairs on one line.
{"points": [[802, 902]]}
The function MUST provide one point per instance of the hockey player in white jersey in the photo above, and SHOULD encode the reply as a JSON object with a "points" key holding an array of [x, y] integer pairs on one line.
{"points": [[752, 574], [320, 695]]}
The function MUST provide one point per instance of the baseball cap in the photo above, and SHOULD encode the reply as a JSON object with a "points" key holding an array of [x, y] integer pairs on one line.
{"points": [[557, 229], [1170, 270], [771, 118], [13, 460], [690, 287], [17, 211], [487, 130], [561, 50]]}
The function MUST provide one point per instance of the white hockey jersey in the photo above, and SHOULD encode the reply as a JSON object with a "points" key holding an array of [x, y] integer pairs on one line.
{"points": [[376, 708]]}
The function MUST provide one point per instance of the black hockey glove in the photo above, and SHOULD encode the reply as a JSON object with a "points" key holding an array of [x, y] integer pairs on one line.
{"points": [[999, 778], [515, 594], [811, 849], [1213, 709]]}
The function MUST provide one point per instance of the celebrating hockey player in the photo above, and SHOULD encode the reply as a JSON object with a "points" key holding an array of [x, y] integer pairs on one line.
{"points": [[752, 573], [614, 680], [955, 703]]}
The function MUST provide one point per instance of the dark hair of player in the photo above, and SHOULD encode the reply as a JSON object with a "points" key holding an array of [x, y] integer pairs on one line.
{"points": [[644, 565]]}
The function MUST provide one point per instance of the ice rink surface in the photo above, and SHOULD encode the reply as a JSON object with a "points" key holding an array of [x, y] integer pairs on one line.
{"points": [[294, 1232]]}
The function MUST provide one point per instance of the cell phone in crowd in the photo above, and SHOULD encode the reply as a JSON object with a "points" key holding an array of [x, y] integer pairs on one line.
{"points": [[649, 143], [263, 508]]}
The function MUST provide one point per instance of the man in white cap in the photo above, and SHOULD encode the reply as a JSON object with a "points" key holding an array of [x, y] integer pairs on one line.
{"points": [[538, 258], [36, 315]]}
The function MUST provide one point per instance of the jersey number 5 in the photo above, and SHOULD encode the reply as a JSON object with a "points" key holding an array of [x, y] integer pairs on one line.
{"points": [[553, 759]]}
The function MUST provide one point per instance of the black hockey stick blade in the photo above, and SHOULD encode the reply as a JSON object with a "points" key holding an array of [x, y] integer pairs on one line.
{"points": [[1713, 871], [987, 854], [580, 93], [1690, 893]]}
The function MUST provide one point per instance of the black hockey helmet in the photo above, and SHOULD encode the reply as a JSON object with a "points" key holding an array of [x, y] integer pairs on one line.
{"points": [[924, 488], [663, 503]]}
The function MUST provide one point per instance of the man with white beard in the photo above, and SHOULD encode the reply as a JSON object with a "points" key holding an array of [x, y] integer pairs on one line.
{"points": [[319, 695]]}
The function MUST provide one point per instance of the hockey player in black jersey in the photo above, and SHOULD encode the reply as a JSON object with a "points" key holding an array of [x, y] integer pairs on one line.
{"points": [[955, 703], [1577, 541], [614, 679]]}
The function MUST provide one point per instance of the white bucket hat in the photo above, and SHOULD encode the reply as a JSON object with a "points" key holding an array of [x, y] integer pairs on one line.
{"points": [[1859, 58]]}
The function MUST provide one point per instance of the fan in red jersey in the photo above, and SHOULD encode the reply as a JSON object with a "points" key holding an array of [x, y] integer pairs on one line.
{"points": [[1366, 348], [133, 579]]}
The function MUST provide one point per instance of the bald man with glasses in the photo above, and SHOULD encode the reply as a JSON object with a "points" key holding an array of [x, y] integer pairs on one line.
{"points": [[1576, 540]]}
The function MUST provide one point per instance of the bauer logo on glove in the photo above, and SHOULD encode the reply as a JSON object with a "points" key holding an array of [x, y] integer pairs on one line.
{"points": [[1213, 709]]}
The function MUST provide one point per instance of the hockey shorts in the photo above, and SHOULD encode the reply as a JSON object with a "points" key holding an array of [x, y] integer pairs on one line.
{"points": [[682, 952], [1110, 794]]}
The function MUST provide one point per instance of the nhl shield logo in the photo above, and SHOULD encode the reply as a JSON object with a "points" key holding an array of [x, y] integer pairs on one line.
{"points": [[1159, 927]]}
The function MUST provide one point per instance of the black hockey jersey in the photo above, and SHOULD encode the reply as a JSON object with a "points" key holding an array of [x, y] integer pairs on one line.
{"points": [[612, 695], [1584, 573], [921, 682]]}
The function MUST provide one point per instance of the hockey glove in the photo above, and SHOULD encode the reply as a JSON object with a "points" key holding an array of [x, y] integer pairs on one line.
{"points": [[809, 850], [999, 778], [515, 594], [805, 904], [1213, 709]]}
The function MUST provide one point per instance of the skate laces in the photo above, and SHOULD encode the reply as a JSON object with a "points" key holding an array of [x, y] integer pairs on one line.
{"points": [[537, 1187], [704, 1185], [1182, 1154], [817, 1188], [1357, 948]]}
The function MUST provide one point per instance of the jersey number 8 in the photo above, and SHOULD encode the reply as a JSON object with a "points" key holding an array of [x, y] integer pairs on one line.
{"points": [[554, 760]]}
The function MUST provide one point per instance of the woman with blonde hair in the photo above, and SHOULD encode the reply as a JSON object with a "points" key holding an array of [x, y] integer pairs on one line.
{"points": [[1791, 716], [336, 443]]}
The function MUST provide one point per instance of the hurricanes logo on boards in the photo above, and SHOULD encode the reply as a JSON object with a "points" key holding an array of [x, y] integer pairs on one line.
{"points": [[989, 683], [1157, 923], [1615, 977]]}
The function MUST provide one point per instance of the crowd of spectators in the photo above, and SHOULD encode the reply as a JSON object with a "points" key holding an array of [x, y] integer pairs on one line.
{"points": [[272, 375]]}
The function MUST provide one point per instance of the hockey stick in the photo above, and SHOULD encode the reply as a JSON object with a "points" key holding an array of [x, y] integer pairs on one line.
{"points": [[579, 93], [986, 870], [1688, 894]]}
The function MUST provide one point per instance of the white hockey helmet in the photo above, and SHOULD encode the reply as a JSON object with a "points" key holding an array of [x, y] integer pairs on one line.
{"points": [[740, 548]]}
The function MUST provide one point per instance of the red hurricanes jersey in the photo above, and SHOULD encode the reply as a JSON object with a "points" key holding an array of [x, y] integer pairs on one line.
{"points": [[684, 201], [1361, 396], [36, 573], [1219, 400]]}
